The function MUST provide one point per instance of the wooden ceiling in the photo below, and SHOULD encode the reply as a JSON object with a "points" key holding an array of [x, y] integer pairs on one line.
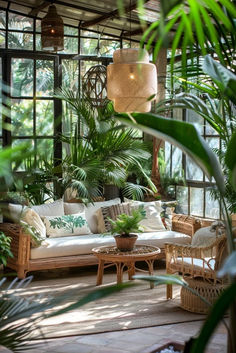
{"points": [[98, 15]]}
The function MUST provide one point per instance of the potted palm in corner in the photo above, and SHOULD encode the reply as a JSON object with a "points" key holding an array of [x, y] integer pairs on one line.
{"points": [[125, 228]]}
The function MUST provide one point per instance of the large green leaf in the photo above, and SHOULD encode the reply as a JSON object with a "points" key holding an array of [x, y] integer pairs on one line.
{"points": [[226, 79], [230, 158], [229, 266], [183, 135], [216, 314]]}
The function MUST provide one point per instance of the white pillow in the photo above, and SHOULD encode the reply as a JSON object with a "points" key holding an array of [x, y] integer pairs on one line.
{"points": [[73, 207], [153, 221], [203, 237], [15, 211], [90, 211], [30, 217], [66, 225], [55, 208], [156, 204]]}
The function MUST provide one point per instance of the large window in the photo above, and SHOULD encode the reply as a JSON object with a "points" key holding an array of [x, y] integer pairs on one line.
{"points": [[34, 76]]}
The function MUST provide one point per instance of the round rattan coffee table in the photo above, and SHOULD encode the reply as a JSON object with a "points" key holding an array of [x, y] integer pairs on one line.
{"points": [[110, 256]]}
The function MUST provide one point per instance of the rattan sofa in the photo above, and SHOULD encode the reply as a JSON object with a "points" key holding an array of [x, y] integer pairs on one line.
{"points": [[22, 261]]}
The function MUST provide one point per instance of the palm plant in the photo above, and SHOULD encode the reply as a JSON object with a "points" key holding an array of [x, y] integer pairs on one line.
{"points": [[110, 150]]}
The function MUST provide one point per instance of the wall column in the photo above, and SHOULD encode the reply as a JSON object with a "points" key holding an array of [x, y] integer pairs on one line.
{"points": [[161, 64]]}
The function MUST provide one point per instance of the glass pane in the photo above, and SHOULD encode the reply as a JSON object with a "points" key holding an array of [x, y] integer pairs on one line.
{"points": [[88, 46], [107, 47], [38, 44], [2, 39], [89, 34], [193, 172], [20, 41], [196, 120], [196, 201], [71, 31], [167, 157], [2, 19], [210, 130], [85, 66], [178, 114], [44, 78], [44, 117], [212, 209], [70, 74], [126, 44], [29, 161], [38, 25], [44, 149], [177, 168], [19, 22], [22, 77], [22, 117], [182, 198], [70, 45], [213, 142]]}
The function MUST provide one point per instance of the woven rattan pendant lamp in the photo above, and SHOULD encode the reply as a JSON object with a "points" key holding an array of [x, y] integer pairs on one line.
{"points": [[52, 36], [131, 81]]}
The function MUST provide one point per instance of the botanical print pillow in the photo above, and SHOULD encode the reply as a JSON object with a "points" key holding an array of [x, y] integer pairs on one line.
{"points": [[61, 226]]}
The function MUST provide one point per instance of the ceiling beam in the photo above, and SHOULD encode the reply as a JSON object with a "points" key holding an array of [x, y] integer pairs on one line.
{"points": [[108, 15], [135, 32], [36, 10]]}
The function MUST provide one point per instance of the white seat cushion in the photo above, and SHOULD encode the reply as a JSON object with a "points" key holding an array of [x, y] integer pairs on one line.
{"points": [[198, 262], [83, 244]]}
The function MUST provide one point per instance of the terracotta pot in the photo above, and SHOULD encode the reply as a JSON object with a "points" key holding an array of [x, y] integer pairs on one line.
{"points": [[125, 243]]}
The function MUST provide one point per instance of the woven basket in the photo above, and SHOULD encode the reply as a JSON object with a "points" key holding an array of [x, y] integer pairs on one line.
{"points": [[192, 302]]}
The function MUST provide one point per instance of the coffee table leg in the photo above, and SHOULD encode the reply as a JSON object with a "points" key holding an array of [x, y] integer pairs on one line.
{"points": [[131, 270], [100, 272], [119, 272], [150, 271]]}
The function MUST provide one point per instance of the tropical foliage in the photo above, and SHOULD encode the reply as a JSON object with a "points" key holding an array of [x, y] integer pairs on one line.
{"points": [[99, 152], [125, 224], [5, 248]]}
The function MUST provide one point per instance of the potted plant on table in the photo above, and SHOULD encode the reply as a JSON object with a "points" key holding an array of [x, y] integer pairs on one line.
{"points": [[125, 228]]}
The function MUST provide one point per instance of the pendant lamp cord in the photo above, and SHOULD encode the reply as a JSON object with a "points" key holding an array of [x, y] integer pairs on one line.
{"points": [[130, 23]]}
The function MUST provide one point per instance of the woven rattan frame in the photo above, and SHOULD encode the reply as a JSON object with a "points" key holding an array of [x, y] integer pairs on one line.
{"points": [[20, 246], [175, 260], [193, 303]]}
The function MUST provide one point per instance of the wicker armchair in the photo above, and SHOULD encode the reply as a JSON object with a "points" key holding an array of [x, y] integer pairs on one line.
{"points": [[195, 262]]}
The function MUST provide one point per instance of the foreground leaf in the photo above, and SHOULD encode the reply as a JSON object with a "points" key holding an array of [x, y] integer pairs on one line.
{"points": [[229, 266]]}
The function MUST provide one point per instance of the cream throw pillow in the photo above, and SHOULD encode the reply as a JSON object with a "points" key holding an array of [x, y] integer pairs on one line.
{"points": [[67, 225], [15, 211], [90, 211], [153, 221], [36, 228], [55, 208]]}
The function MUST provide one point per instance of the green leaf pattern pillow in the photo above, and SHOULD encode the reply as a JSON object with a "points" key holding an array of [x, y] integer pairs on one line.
{"points": [[67, 225]]}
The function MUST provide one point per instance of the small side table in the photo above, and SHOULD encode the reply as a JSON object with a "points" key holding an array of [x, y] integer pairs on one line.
{"points": [[110, 256]]}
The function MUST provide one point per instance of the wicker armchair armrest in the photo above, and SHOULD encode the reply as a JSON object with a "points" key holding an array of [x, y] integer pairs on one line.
{"points": [[185, 224], [198, 252], [183, 250]]}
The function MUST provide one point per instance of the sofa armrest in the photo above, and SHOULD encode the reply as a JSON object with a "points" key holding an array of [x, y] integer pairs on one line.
{"points": [[185, 224], [20, 243]]}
